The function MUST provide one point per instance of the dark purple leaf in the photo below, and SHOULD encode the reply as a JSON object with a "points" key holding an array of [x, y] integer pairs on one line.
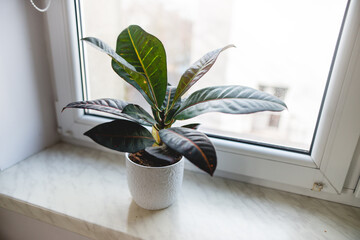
{"points": [[107, 105], [192, 144], [138, 113], [192, 126], [121, 135], [163, 153], [197, 70], [228, 99]]}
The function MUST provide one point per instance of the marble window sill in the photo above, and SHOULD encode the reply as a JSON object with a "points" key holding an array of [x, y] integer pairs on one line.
{"points": [[85, 191]]}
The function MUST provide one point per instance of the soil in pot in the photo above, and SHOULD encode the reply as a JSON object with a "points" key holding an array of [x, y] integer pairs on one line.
{"points": [[145, 159]]}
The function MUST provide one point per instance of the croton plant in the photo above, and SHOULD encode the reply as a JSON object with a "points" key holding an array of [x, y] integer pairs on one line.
{"points": [[140, 60]]}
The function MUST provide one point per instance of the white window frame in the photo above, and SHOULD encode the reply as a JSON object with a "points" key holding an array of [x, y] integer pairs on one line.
{"points": [[333, 147]]}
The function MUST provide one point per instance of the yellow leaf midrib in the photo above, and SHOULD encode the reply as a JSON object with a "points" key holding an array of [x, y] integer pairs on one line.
{"points": [[145, 72]]}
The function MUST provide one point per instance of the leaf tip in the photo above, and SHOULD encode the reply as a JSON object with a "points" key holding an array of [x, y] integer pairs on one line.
{"points": [[87, 133], [212, 169], [228, 46], [286, 107]]}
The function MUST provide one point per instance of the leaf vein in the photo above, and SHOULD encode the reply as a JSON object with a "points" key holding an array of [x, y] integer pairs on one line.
{"points": [[195, 145]]}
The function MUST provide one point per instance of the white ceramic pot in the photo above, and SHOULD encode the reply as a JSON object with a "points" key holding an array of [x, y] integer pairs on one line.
{"points": [[154, 188]]}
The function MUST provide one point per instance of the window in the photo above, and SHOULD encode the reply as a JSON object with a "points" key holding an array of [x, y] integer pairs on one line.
{"points": [[277, 49], [338, 127]]}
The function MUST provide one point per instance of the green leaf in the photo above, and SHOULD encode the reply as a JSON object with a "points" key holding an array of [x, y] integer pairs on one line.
{"points": [[139, 113], [103, 47], [121, 135], [163, 153], [107, 105], [156, 115], [168, 101], [125, 70], [147, 54], [197, 70], [228, 99], [169, 96], [192, 144]]}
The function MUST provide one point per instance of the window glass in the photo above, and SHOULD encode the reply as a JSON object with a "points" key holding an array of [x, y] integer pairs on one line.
{"points": [[282, 47]]}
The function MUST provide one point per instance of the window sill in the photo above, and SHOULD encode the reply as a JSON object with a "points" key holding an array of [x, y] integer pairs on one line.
{"points": [[85, 191]]}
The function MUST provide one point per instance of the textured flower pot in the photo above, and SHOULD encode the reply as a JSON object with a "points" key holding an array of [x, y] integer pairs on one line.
{"points": [[154, 188]]}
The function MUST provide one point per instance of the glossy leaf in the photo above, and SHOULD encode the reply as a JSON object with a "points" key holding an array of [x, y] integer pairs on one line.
{"points": [[197, 70], [103, 47], [156, 114], [124, 69], [192, 144], [106, 105], [139, 113], [169, 98], [121, 135], [147, 54], [163, 153], [228, 99]]}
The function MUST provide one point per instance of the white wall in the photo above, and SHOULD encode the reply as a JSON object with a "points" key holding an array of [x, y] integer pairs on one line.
{"points": [[27, 120]]}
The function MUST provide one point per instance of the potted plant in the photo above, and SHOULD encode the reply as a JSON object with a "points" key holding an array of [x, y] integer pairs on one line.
{"points": [[140, 60]]}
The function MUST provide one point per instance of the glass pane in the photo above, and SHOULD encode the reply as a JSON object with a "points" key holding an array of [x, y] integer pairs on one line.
{"points": [[283, 47]]}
